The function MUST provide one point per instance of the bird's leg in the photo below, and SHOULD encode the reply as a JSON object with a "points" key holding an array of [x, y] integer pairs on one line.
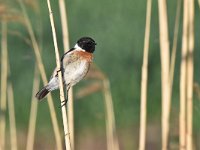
{"points": [[68, 87], [59, 70], [65, 101]]}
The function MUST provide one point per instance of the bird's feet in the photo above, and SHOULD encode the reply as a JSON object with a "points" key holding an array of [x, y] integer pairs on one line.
{"points": [[63, 103], [59, 70]]}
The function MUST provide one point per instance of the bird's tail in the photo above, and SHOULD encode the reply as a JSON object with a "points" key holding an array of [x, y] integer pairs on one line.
{"points": [[42, 93]]}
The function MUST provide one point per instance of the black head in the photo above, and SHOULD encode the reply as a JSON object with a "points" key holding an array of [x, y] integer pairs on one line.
{"points": [[87, 43]]}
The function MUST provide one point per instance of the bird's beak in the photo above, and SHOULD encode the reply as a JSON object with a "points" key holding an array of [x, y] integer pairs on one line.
{"points": [[95, 43]]}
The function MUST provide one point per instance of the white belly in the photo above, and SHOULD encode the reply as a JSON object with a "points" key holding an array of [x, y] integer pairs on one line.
{"points": [[75, 72]]}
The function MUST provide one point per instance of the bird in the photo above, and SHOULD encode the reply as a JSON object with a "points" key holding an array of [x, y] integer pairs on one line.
{"points": [[75, 64]]}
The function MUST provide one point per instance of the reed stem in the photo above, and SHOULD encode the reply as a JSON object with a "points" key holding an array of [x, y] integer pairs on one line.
{"points": [[182, 118], [33, 112], [143, 105], [70, 104], [11, 109], [4, 74], [190, 74], [165, 58], [43, 76], [112, 140], [62, 97], [174, 45]]}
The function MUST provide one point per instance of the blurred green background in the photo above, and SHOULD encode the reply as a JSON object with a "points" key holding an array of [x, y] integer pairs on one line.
{"points": [[118, 28]]}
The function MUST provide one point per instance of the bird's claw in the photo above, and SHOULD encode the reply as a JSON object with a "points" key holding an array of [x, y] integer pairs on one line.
{"points": [[58, 70], [63, 103]]}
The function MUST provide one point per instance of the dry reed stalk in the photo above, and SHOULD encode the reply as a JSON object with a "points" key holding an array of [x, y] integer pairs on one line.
{"points": [[65, 32], [199, 2], [174, 45], [182, 118], [143, 105], [96, 73], [112, 140], [4, 74], [33, 112], [70, 113], [190, 75], [62, 96], [11, 110], [43, 76], [164, 51]]}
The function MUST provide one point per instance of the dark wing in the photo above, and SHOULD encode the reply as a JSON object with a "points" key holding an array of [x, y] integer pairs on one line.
{"points": [[66, 53]]}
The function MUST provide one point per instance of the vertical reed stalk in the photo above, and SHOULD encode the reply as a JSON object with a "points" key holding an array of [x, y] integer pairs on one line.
{"points": [[62, 96], [4, 74], [11, 110], [33, 111], [190, 74], [43, 76], [182, 121], [174, 45], [164, 51], [65, 32], [70, 112], [143, 105], [112, 140]]}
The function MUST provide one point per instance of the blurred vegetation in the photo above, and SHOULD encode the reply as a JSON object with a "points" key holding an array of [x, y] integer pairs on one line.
{"points": [[118, 27]]}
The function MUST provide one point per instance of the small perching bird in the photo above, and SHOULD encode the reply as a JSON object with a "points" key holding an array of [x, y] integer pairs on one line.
{"points": [[75, 64]]}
